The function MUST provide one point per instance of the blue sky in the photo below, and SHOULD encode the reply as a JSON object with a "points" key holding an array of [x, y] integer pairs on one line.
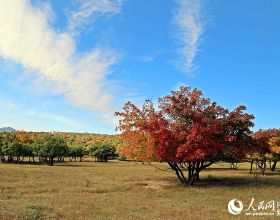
{"points": [[68, 65]]}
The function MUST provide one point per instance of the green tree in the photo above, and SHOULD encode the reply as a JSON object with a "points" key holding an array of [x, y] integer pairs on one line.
{"points": [[1, 151], [28, 151], [102, 151], [75, 152], [50, 147], [13, 150]]}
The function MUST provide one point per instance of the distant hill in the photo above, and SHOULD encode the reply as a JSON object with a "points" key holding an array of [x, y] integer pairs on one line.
{"points": [[7, 129]]}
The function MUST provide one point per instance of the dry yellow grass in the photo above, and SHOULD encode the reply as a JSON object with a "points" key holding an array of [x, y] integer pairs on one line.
{"points": [[124, 190]]}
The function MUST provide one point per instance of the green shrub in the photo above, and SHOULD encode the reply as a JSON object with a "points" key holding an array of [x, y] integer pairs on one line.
{"points": [[122, 158], [30, 212]]}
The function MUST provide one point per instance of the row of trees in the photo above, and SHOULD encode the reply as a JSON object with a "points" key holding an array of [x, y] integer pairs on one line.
{"points": [[266, 149], [72, 139], [49, 147], [190, 132]]}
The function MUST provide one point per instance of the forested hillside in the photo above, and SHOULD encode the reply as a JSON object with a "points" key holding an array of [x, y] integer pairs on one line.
{"points": [[72, 139]]}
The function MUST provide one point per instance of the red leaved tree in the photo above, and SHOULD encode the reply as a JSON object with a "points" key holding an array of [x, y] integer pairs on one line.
{"points": [[189, 132]]}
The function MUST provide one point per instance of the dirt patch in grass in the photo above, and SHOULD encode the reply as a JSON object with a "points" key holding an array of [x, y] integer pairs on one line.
{"points": [[156, 185]]}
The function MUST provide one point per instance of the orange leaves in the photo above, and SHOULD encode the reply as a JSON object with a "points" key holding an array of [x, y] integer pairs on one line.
{"points": [[23, 137], [264, 141], [135, 142], [274, 143]]}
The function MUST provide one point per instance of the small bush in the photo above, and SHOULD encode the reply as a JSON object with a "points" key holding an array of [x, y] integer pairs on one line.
{"points": [[30, 212], [122, 158]]}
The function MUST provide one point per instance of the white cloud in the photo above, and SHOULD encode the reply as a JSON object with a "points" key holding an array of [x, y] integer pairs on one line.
{"points": [[189, 23], [27, 38], [87, 11]]}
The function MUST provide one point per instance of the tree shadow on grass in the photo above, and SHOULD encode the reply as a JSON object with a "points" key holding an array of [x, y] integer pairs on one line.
{"points": [[237, 181], [272, 173], [65, 164], [23, 163], [56, 163], [220, 169], [80, 164]]}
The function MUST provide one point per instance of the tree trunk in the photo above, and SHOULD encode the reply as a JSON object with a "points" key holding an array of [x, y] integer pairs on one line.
{"points": [[273, 165], [197, 171], [251, 167], [189, 172], [263, 167], [51, 161], [10, 159], [193, 170], [178, 172]]}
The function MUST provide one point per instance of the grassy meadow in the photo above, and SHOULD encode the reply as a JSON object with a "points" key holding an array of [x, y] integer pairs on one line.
{"points": [[125, 190]]}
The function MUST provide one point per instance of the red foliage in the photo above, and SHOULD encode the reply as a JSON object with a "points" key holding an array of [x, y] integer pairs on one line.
{"points": [[187, 128]]}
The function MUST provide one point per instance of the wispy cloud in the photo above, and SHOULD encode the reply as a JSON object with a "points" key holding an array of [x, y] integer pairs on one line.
{"points": [[17, 111], [27, 38], [7, 104], [189, 22], [145, 58], [87, 11], [53, 117]]}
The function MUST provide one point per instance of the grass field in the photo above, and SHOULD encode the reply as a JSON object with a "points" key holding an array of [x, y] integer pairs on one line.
{"points": [[125, 190]]}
